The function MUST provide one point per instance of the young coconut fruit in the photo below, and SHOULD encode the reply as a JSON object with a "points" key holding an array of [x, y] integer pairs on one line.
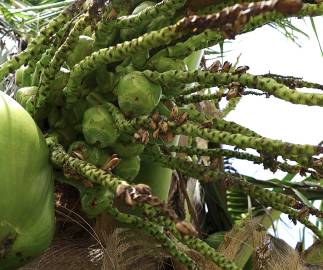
{"points": [[26, 187], [22, 78], [127, 150], [91, 154], [136, 94], [25, 97], [128, 168], [130, 33], [105, 80], [82, 49], [98, 127], [95, 201], [163, 63]]}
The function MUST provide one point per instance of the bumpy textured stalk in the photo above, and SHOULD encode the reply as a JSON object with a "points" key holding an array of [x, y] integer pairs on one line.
{"points": [[43, 61], [157, 232], [300, 153], [293, 214], [191, 169], [37, 46], [205, 39], [198, 98], [210, 253], [293, 82], [262, 194], [267, 85], [122, 124], [210, 38], [279, 201], [166, 7], [204, 173], [219, 6], [61, 159], [232, 104], [116, 53], [194, 89], [187, 26], [191, 242], [106, 31], [41, 64], [48, 74], [216, 153], [297, 152], [220, 124], [233, 127]]}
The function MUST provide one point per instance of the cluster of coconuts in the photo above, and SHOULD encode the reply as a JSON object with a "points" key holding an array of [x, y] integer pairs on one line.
{"points": [[88, 129]]}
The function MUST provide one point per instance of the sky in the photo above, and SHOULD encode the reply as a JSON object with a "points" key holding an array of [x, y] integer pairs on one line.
{"points": [[267, 50]]}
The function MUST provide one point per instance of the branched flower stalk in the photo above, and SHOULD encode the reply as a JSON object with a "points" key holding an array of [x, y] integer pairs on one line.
{"points": [[115, 118], [38, 45], [284, 202], [270, 163]]}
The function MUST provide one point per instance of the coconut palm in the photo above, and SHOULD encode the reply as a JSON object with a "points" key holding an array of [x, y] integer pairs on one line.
{"points": [[232, 219]]}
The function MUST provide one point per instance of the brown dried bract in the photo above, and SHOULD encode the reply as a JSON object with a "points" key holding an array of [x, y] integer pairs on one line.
{"points": [[143, 189], [87, 183], [226, 66], [289, 7], [77, 154], [186, 228], [215, 66], [241, 70], [303, 213], [111, 163], [142, 136]]}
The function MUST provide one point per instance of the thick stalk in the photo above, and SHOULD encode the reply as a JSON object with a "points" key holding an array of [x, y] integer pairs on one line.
{"points": [[37, 46], [267, 85], [165, 7]]}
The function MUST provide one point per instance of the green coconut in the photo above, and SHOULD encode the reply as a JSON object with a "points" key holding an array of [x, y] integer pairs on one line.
{"points": [[127, 150], [90, 153], [142, 6], [128, 168], [55, 118], [95, 201], [163, 63], [98, 127], [19, 76], [130, 33], [137, 95], [158, 23], [25, 97], [82, 49], [104, 79]]}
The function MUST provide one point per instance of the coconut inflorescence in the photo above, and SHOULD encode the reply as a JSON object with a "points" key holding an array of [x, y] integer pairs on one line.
{"points": [[117, 87]]}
